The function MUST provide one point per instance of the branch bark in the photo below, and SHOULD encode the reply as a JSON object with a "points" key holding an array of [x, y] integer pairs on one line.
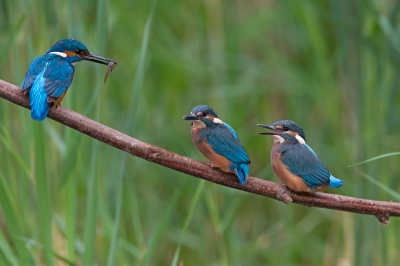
{"points": [[380, 209]]}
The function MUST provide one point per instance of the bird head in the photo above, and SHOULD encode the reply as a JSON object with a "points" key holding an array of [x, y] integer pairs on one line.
{"points": [[203, 116], [75, 51], [285, 130]]}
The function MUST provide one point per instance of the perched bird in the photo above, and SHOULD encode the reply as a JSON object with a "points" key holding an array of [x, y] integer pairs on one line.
{"points": [[218, 142], [49, 76], [294, 162]]}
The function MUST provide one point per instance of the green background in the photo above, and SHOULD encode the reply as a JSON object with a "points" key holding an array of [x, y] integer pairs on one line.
{"points": [[331, 66]]}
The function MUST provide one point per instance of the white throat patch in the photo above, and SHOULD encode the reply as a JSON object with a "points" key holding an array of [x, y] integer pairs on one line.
{"points": [[300, 139], [278, 139], [64, 55], [198, 124]]}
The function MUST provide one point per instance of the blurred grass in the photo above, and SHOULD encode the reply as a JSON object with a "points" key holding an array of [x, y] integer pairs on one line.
{"points": [[43, 191], [331, 66]]}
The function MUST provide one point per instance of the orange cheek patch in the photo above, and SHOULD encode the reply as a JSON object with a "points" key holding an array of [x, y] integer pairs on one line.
{"points": [[70, 54]]}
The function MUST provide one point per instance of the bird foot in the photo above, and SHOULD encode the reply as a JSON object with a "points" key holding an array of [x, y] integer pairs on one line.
{"points": [[53, 102]]}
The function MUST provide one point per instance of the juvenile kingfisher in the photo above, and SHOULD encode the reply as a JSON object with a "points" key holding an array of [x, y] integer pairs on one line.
{"points": [[49, 76], [218, 142], [294, 162]]}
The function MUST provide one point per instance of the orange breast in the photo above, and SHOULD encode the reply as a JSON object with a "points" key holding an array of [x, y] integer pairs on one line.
{"points": [[293, 181], [216, 160]]}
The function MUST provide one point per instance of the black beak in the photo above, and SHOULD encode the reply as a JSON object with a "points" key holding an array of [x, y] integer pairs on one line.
{"points": [[97, 59], [190, 117], [270, 127]]}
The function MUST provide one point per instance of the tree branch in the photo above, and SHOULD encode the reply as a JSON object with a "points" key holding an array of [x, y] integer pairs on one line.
{"points": [[380, 209]]}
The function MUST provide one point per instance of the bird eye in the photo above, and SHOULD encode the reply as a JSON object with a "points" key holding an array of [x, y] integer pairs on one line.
{"points": [[204, 113], [78, 51], [285, 128]]}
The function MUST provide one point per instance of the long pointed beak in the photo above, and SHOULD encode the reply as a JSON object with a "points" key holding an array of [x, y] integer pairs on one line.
{"points": [[190, 117], [97, 59], [270, 127]]}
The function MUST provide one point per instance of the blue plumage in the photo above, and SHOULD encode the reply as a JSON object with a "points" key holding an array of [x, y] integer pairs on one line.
{"points": [[231, 129], [304, 163], [311, 150], [242, 171], [67, 45], [214, 137], [224, 142], [335, 182], [297, 157], [38, 98], [49, 76]]}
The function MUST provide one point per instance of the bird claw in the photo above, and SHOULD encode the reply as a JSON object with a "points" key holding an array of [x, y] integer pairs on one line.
{"points": [[53, 102]]}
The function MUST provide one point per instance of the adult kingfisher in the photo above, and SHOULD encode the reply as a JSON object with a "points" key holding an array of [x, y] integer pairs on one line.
{"points": [[49, 76], [218, 142], [294, 162]]}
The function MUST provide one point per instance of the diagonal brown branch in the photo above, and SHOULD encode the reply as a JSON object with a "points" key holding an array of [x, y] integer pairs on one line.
{"points": [[381, 209]]}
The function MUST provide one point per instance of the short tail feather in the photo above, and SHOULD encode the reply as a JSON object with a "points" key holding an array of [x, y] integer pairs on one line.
{"points": [[334, 182], [38, 102], [242, 172]]}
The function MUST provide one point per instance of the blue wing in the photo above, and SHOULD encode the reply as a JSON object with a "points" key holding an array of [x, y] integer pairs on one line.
{"points": [[224, 141], [302, 161], [57, 74], [309, 148], [38, 99], [34, 69], [231, 129], [47, 76]]}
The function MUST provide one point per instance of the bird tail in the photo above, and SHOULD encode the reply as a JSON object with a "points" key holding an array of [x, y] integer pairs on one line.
{"points": [[38, 101], [242, 172], [334, 182]]}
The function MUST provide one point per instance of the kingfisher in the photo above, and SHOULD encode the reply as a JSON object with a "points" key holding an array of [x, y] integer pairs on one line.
{"points": [[217, 141], [49, 76], [294, 162]]}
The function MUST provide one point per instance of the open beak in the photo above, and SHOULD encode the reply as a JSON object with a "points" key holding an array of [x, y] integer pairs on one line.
{"points": [[270, 127], [97, 59], [191, 116]]}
